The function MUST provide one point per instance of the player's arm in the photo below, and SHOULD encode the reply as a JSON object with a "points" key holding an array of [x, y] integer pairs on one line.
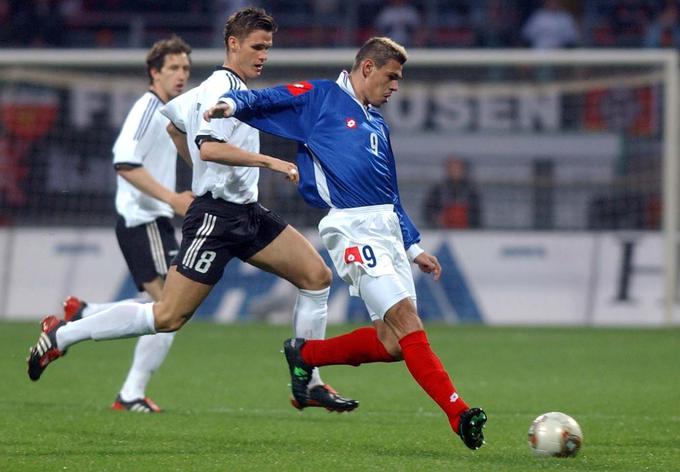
{"points": [[141, 179], [180, 140], [426, 262], [287, 111], [228, 154], [212, 139]]}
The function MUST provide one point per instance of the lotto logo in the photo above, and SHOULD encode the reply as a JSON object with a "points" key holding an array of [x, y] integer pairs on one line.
{"points": [[352, 254], [351, 123]]}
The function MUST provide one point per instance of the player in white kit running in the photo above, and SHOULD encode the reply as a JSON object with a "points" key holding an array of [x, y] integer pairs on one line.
{"points": [[144, 157]]}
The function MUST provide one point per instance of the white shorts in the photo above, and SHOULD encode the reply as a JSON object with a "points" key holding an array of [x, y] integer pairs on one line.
{"points": [[368, 253]]}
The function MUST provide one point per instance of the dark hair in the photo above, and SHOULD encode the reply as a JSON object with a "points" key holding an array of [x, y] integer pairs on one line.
{"points": [[155, 58], [380, 50], [247, 20]]}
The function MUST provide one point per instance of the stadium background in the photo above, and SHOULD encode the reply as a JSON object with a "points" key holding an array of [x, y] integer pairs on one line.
{"points": [[567, 158]]}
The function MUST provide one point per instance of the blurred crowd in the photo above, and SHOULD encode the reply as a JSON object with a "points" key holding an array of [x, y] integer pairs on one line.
{"points": [[336, 23]]}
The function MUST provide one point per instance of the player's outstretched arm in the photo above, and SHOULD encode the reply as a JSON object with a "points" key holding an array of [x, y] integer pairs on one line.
{"points": [[228, 154], [429, 264]]}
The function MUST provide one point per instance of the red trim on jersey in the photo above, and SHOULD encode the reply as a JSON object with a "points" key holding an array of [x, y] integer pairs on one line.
{"points": [[298, 88]]}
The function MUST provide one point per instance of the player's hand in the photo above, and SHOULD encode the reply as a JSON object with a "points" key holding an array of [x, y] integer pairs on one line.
{"points": [[287, 168], [180, 204], [220, 110], [429, 264]]}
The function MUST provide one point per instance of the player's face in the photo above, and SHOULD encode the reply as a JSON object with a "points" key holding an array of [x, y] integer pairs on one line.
{"points": [[171, 80], [382, 82], [248, 55]]}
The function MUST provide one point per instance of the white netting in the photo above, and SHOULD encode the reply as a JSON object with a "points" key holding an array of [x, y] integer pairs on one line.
{"points": [[549, 144]]}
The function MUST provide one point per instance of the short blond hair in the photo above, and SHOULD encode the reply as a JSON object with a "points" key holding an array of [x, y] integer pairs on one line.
{"points": [[380, 50]]}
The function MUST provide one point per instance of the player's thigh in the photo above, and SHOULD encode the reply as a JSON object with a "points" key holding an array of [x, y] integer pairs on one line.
{"points": [[291, 256], [180, 298], [381, 293]]}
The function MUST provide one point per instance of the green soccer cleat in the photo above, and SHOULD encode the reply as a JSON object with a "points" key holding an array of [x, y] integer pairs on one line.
{"points": [[300, 372]]}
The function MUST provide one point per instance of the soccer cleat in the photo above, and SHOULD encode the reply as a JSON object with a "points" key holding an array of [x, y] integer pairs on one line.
{"points": [[470, 427], [45, 350], [73, 308], [300, 372], [325, 397], [140, 405]]}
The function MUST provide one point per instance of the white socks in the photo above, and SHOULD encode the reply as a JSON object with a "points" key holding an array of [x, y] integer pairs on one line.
{"points": [[94, 308], [150, 353], [122, 320], [309, 320]]}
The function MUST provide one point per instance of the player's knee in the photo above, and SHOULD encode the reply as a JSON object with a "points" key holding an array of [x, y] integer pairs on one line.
{"points": [[318, 278], [403, 318], [325, 277], [168, 320]]}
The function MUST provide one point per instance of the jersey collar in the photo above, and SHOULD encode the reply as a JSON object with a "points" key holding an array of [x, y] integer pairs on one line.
{"points": [[152, 91], [345, 84], [232, 72]]}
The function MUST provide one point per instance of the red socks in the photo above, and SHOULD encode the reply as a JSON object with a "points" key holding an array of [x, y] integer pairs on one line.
{"points": [[430, 374], [358, 347], [363, 346]]}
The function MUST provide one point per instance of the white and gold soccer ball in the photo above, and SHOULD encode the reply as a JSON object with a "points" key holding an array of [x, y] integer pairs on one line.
{"points": [[555, 434]]}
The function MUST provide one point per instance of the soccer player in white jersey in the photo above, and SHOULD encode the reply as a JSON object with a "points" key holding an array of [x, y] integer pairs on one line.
{"points": [[347, 164], [144, 157], [223, 222]]}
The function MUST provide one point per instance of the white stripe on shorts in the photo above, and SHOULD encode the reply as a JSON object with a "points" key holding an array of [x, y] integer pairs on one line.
{"points": [[156, 246], [201, 235]]}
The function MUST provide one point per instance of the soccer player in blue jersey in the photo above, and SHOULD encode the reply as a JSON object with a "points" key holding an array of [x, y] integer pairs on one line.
{"points": [[346, 164]]}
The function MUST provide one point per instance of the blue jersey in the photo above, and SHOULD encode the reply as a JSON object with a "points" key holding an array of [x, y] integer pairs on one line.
{"points": [[345, 156]]}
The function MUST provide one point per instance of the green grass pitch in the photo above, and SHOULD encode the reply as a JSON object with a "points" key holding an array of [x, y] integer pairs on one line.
{"points": [[225, 395]]}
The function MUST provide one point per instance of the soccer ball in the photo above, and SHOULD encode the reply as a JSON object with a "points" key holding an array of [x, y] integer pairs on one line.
{"points": [[555, 434]]}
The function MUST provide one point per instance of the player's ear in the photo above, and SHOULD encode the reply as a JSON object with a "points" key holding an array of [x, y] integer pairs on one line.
{"points": [[233, 43], [367, 67], [155, 73]]}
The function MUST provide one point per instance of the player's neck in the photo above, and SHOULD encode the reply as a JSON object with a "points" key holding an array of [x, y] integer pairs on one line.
{"points": [[357, 91], [159, 93]]}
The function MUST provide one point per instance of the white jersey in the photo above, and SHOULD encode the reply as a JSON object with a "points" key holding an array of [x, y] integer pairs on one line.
{"points": [[234, 184], [144, 141]]}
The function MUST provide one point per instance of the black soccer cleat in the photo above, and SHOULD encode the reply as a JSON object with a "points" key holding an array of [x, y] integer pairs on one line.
{"points": [[300, 372], [325, 396], [140, 405], [45, 350], [470, 427]]}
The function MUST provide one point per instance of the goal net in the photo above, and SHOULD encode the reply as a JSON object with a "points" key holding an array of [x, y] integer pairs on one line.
{"points": [[569, 140]]}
